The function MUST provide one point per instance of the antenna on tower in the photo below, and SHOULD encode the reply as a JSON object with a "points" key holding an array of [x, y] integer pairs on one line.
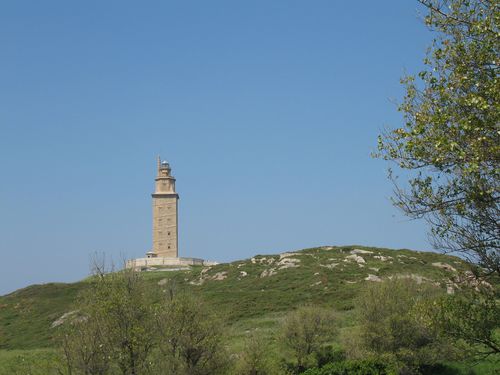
{"points": [[159, 162]]}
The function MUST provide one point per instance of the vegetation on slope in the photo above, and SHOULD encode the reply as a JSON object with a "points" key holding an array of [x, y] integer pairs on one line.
{"points": [[257, 289], [257, 298]]}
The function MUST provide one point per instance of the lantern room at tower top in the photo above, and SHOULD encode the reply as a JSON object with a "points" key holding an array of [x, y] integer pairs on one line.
{"points": [[165, 183]]}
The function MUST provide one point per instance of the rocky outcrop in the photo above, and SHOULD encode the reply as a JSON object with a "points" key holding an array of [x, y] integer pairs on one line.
{"points": [[444, 266]]}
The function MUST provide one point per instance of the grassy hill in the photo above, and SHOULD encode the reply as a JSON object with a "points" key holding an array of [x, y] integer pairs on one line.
{"points": [[251, 293]]}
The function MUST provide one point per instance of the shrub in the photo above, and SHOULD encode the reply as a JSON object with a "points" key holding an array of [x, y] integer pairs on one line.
{"points": [[114, 327], [304, 333], [190, 338], [122, 328], [471, 317], [361, 367], [389, 327], [253, 359]]}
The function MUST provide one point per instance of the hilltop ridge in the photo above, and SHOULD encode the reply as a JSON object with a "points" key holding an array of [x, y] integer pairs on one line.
{"points": [[262, 287]]}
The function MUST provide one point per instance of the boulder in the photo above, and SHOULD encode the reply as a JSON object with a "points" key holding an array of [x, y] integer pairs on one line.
{"points": [[444, 266], [63, 318], [268, 272], [219, 276], [288, 263], [373, 278], [359, 251], [382, 258], [355, 258]]}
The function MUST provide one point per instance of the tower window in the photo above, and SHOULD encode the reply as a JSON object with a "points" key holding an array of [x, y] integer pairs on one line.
{"points": [[169, 233]]}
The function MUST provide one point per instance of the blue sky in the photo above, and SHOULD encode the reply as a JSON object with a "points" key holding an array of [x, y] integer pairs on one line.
{"points": [[267, 111]]}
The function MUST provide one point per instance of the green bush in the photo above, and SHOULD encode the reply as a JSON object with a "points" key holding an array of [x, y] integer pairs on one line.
{"points": [[253, 360], [305, 332], [327, 354], [378, 367], [362, 367], [441, 369], [471, 317], [390, 328]]}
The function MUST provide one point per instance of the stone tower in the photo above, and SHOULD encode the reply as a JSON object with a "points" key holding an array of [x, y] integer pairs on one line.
{"points": [[165, 229]]}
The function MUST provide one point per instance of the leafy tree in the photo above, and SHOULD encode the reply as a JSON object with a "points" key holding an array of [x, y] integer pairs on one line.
{"points": [[190, 337], [253, 359], [121, 303], [124, 326], [388, 328], [115, 329], [450, 142], [84, 347], [304, 332], [471, 316]]}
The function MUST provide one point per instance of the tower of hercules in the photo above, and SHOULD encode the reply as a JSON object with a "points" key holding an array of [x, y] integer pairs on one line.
{"points": [[165, 229]]}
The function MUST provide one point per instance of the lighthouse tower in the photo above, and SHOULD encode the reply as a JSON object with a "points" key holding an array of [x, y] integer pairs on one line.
{"points": [[165, 252], [165, 223]]}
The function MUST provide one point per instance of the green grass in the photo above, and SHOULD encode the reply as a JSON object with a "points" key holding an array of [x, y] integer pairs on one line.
{"points": [[28, 362], [26, 315]]}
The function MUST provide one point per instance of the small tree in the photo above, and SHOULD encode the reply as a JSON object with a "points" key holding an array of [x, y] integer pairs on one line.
{"points": [[189, 337], [253, 359], [389, 329], [125, 309], [84, 347], [304, 332], [115, 329]]}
